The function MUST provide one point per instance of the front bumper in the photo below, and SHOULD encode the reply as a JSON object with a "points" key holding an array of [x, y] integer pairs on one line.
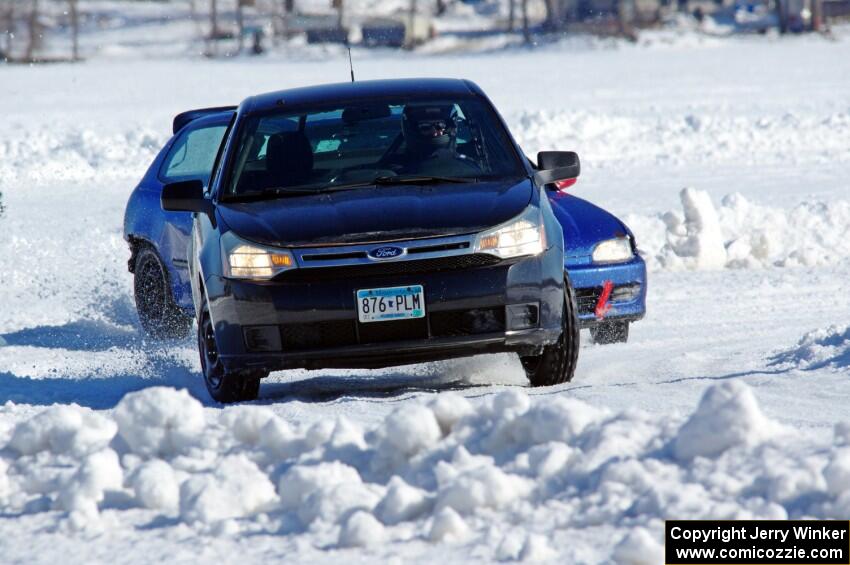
{"points": [[307, 318], [628, 297]]}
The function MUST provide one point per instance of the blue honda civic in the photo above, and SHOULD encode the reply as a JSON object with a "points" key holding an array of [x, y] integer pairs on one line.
{"points": [[372, 224]]}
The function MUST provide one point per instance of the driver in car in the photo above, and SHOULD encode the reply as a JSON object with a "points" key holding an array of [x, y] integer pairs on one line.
{"points": [[430, 143]]}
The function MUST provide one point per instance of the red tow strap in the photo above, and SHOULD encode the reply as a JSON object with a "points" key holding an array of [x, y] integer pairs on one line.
{"points": [[603, 306]]}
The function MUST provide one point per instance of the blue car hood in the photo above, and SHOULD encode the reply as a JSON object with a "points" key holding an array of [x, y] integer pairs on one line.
{"points": [[584, 224], [382, 213]]}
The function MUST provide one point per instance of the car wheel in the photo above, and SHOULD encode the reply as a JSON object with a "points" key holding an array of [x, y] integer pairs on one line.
{"points": [[557, 363], [610, 332], [159, 315], [223, 385]]}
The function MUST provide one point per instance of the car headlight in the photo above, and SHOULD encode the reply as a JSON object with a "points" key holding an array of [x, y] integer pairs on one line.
{"points": [[614, 250], [246, 260], [524, 235]]}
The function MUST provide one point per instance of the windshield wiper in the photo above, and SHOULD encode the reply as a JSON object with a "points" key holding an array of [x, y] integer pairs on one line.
{"points": [[281, 191], [421, 179], [271, 193]]}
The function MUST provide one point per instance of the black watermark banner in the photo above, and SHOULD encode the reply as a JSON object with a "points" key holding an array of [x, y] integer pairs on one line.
{"points": [[757, 542]]}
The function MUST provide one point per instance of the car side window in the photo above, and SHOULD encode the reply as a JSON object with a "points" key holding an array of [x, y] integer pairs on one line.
{"points": [[192, 155]]}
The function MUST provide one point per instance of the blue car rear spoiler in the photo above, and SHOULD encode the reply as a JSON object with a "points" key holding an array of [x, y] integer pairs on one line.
{"points": [[184, 118]]}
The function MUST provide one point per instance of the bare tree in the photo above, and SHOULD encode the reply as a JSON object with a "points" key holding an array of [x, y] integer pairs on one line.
{"points": [[240, 24], [340, 12], [214, 18], [526, 32], [75, 29], [7, 25], [33, 41], [511, 14]]}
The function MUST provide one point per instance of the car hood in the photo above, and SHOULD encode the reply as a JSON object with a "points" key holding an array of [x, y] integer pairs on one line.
{"points": [[376, 214], [584, 224]]}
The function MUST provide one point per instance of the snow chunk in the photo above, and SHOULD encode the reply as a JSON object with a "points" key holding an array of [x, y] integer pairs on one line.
{"points": [[402, 502], [159, 421], [837, 472], [301, 481], [361, 530], [697, 236], [449, 409], [335, 502], [70, 429], [156, 486], [536, 548], [638, 547], [485, 486], [247, 422], [411, 429], [448, 526], [826, 347], [728, 415], [235, 489], [98, 472]]}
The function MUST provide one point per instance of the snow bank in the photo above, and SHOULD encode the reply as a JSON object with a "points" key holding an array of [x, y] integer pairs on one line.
{"points": [[507, 470], [826, 347], [742, 234], [615, 139], [70, 152]]}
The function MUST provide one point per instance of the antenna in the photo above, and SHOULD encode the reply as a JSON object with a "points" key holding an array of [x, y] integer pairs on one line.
{"points": [[350, 65]]}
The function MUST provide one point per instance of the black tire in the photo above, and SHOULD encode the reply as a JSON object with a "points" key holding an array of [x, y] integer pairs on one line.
{"points": [[224, 386], [607, 333], [557, 363], [160, 316]]}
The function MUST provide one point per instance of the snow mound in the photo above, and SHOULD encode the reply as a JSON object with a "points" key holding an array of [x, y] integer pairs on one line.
{"points": [[741, 234], [462, 471], [64, 429], [70, 152], [615, 139], [825, 347], [235, 489], [159, 421], [727, 416]]}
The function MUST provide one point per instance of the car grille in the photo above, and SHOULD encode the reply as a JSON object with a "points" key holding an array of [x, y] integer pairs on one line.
{"points": [[391, 268], [588, 298], [342, 333]]}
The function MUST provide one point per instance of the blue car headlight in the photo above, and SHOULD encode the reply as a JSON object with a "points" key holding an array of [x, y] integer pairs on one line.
{"points": [[615, 250]]}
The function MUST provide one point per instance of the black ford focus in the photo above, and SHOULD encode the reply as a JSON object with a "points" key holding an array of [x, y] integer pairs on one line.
{"points": [[373, 224]]}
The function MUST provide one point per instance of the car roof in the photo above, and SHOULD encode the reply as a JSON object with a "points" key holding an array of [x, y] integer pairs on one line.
{"points": [[342, 92]]}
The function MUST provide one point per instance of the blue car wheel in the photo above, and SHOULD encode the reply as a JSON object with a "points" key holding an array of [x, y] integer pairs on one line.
{"points": [[160, 317]]}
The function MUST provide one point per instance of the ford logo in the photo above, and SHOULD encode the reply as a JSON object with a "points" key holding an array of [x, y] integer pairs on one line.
{"points": [[388, 252]]}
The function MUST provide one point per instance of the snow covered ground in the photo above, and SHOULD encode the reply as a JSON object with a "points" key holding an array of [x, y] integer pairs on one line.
{"points": [[728, 401]]}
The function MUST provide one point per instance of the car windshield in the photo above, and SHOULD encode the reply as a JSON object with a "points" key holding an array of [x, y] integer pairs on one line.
{"points": [[371, 143]]}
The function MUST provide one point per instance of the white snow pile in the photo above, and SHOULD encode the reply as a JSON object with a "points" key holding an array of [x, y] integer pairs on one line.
{"points": [[617, 138], [742, 234], [70, 152], [825, 347], [500, 475]]}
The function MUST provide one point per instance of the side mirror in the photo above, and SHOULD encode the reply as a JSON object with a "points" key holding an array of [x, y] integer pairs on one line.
{"points": [[185, 196], [556, 167]]}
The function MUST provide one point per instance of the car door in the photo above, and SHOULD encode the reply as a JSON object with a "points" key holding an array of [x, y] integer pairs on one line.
{"points": [[190, 156]]}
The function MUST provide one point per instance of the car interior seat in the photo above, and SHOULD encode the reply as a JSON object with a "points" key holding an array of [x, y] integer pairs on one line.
{"points": [[289, 159]]}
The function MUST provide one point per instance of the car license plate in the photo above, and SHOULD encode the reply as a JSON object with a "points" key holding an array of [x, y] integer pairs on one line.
{"points": [[387, 304]]}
